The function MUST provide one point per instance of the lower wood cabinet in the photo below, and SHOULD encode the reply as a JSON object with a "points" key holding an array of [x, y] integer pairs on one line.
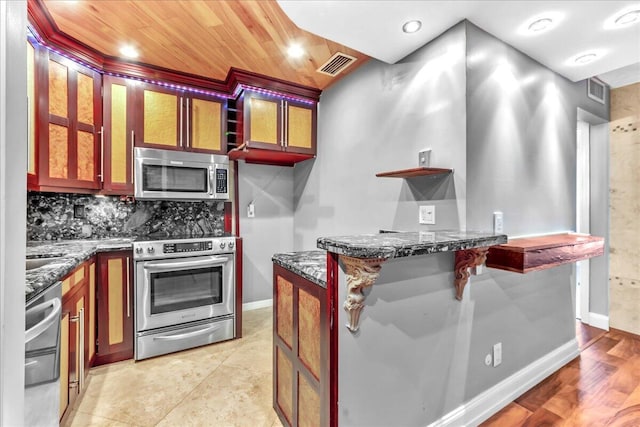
{"points": [[301, 347], [77, 330], [115, 307]]}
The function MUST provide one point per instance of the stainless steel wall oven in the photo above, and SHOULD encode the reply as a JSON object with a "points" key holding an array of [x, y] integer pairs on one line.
{"points": [[184, 294]]}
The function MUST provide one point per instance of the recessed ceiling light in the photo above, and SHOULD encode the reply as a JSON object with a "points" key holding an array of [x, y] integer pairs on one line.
{"points": [[585, 58], [628, 18], [411, 26], [129, 51], [295, 51], [623, 18], [540, 23]]}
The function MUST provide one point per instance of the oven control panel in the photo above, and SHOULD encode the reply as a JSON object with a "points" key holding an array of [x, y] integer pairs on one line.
{"points": [[183, 247]]}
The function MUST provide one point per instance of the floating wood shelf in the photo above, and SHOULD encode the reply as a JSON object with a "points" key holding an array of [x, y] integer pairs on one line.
{"points": [[410, 173], [539, 253], [268, 157]]}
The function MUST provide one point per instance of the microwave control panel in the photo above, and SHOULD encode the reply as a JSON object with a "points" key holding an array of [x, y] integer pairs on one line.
{"points": [[221, 181]]}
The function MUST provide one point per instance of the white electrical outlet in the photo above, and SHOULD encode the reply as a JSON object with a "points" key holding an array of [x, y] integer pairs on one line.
{"points": [[251, 212], [427, 214], [497, 354], [498, 223], [488, 359]]}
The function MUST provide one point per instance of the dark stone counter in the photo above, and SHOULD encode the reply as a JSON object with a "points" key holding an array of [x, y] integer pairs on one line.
{"points": [[311, 265], [405, 244], [71, 254]]}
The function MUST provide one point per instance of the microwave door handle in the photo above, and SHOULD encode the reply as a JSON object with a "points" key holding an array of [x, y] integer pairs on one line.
{"points": [[212, 179], [184, 264]]}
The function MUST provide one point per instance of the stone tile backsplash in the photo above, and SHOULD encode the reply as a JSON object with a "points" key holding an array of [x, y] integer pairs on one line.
{"points": [[50, 216]]}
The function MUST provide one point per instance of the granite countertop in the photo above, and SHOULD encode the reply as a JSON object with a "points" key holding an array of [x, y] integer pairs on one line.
{"points": [[311, 265], [71, 254], [405, 244]]}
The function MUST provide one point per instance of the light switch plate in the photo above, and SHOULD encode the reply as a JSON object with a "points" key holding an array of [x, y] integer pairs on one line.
{"points": [[427, 214], [251, 211], [497, 354], [498, 222]]}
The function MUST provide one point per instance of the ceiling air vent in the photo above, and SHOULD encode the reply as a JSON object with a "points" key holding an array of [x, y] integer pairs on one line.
{"points": [[596, 90], [336, 64]]}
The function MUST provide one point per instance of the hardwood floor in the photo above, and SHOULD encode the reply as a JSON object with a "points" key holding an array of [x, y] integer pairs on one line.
{"points": [[601, 387]]}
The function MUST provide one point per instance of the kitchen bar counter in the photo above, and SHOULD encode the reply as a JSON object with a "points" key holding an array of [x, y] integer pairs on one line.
{"points": [[69, 254], [311, 265], [406, 244]]}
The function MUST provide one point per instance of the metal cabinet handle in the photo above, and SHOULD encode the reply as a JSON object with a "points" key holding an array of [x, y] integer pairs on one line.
{"points": [[181, 124], [81, 350], [101, 132], [128, 291], [282, 123], [132, 154], [285, 131], [188, 126]]}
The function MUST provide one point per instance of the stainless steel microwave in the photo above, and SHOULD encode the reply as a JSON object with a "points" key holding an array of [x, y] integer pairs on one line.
{"points": [[179, 175]]}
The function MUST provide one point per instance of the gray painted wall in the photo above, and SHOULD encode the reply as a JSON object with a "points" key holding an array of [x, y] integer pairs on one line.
{"points": [[377, 119], [507, 125], [270, 231], [419, 353], [13, 165], [521, 146]]}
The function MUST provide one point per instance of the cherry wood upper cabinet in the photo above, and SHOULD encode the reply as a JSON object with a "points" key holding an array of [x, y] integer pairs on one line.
{"points": [[69, 118], [177, 120], [276, 123], [118, 135]]}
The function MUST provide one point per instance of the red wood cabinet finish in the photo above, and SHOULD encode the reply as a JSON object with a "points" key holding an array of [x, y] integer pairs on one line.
{"points": [[68, 121], [115, 307], [302, 362], [118, 133], [172, 119]]}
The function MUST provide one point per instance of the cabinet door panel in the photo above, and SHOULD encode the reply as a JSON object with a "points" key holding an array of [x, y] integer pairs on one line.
{"points": [[309, 331], [58, 151], [86, 156], [263, 121], [284, 388], [58, 89], [85, 99], [300, 122], [160, 125], [206, 125], [308, 404], [284, 310], [119, 101], [116, 300], [119, 135], [92, 312]]}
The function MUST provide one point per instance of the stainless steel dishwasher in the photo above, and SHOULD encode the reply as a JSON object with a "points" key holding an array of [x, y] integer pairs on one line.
{"points": [[42, 359]]}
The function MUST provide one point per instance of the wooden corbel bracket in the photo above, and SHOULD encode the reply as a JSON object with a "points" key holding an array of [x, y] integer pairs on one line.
{"points": [[464, 260], [361, 273]]}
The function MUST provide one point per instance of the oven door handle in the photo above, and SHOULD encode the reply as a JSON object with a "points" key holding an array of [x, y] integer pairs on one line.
{"points": [[185, 264], [178, 337]]}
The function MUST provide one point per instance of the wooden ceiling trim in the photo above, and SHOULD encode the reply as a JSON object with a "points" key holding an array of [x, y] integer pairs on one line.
{"points": [[50, 35]]}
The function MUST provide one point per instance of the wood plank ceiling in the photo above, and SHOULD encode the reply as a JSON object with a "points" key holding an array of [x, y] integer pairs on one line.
{"points": [[202, 37]]}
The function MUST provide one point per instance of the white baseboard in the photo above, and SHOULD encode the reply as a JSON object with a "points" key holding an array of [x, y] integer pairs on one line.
{"points": [[487, 403], [254, 305], [599, 321]]}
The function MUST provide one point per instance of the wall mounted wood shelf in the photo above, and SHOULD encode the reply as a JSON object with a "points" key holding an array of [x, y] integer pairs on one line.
{"points": [[410, 173], [542, 252], [268, 157]]}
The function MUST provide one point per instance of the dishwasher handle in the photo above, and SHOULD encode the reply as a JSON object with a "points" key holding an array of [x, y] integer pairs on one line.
{"points": [[37, 329]]}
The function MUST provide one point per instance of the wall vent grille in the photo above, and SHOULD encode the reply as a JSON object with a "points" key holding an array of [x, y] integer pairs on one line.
{"points": [[336, 64], [596, 90]]}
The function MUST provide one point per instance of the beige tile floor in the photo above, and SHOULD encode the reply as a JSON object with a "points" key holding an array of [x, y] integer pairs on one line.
{"points": [[225, 384]]}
